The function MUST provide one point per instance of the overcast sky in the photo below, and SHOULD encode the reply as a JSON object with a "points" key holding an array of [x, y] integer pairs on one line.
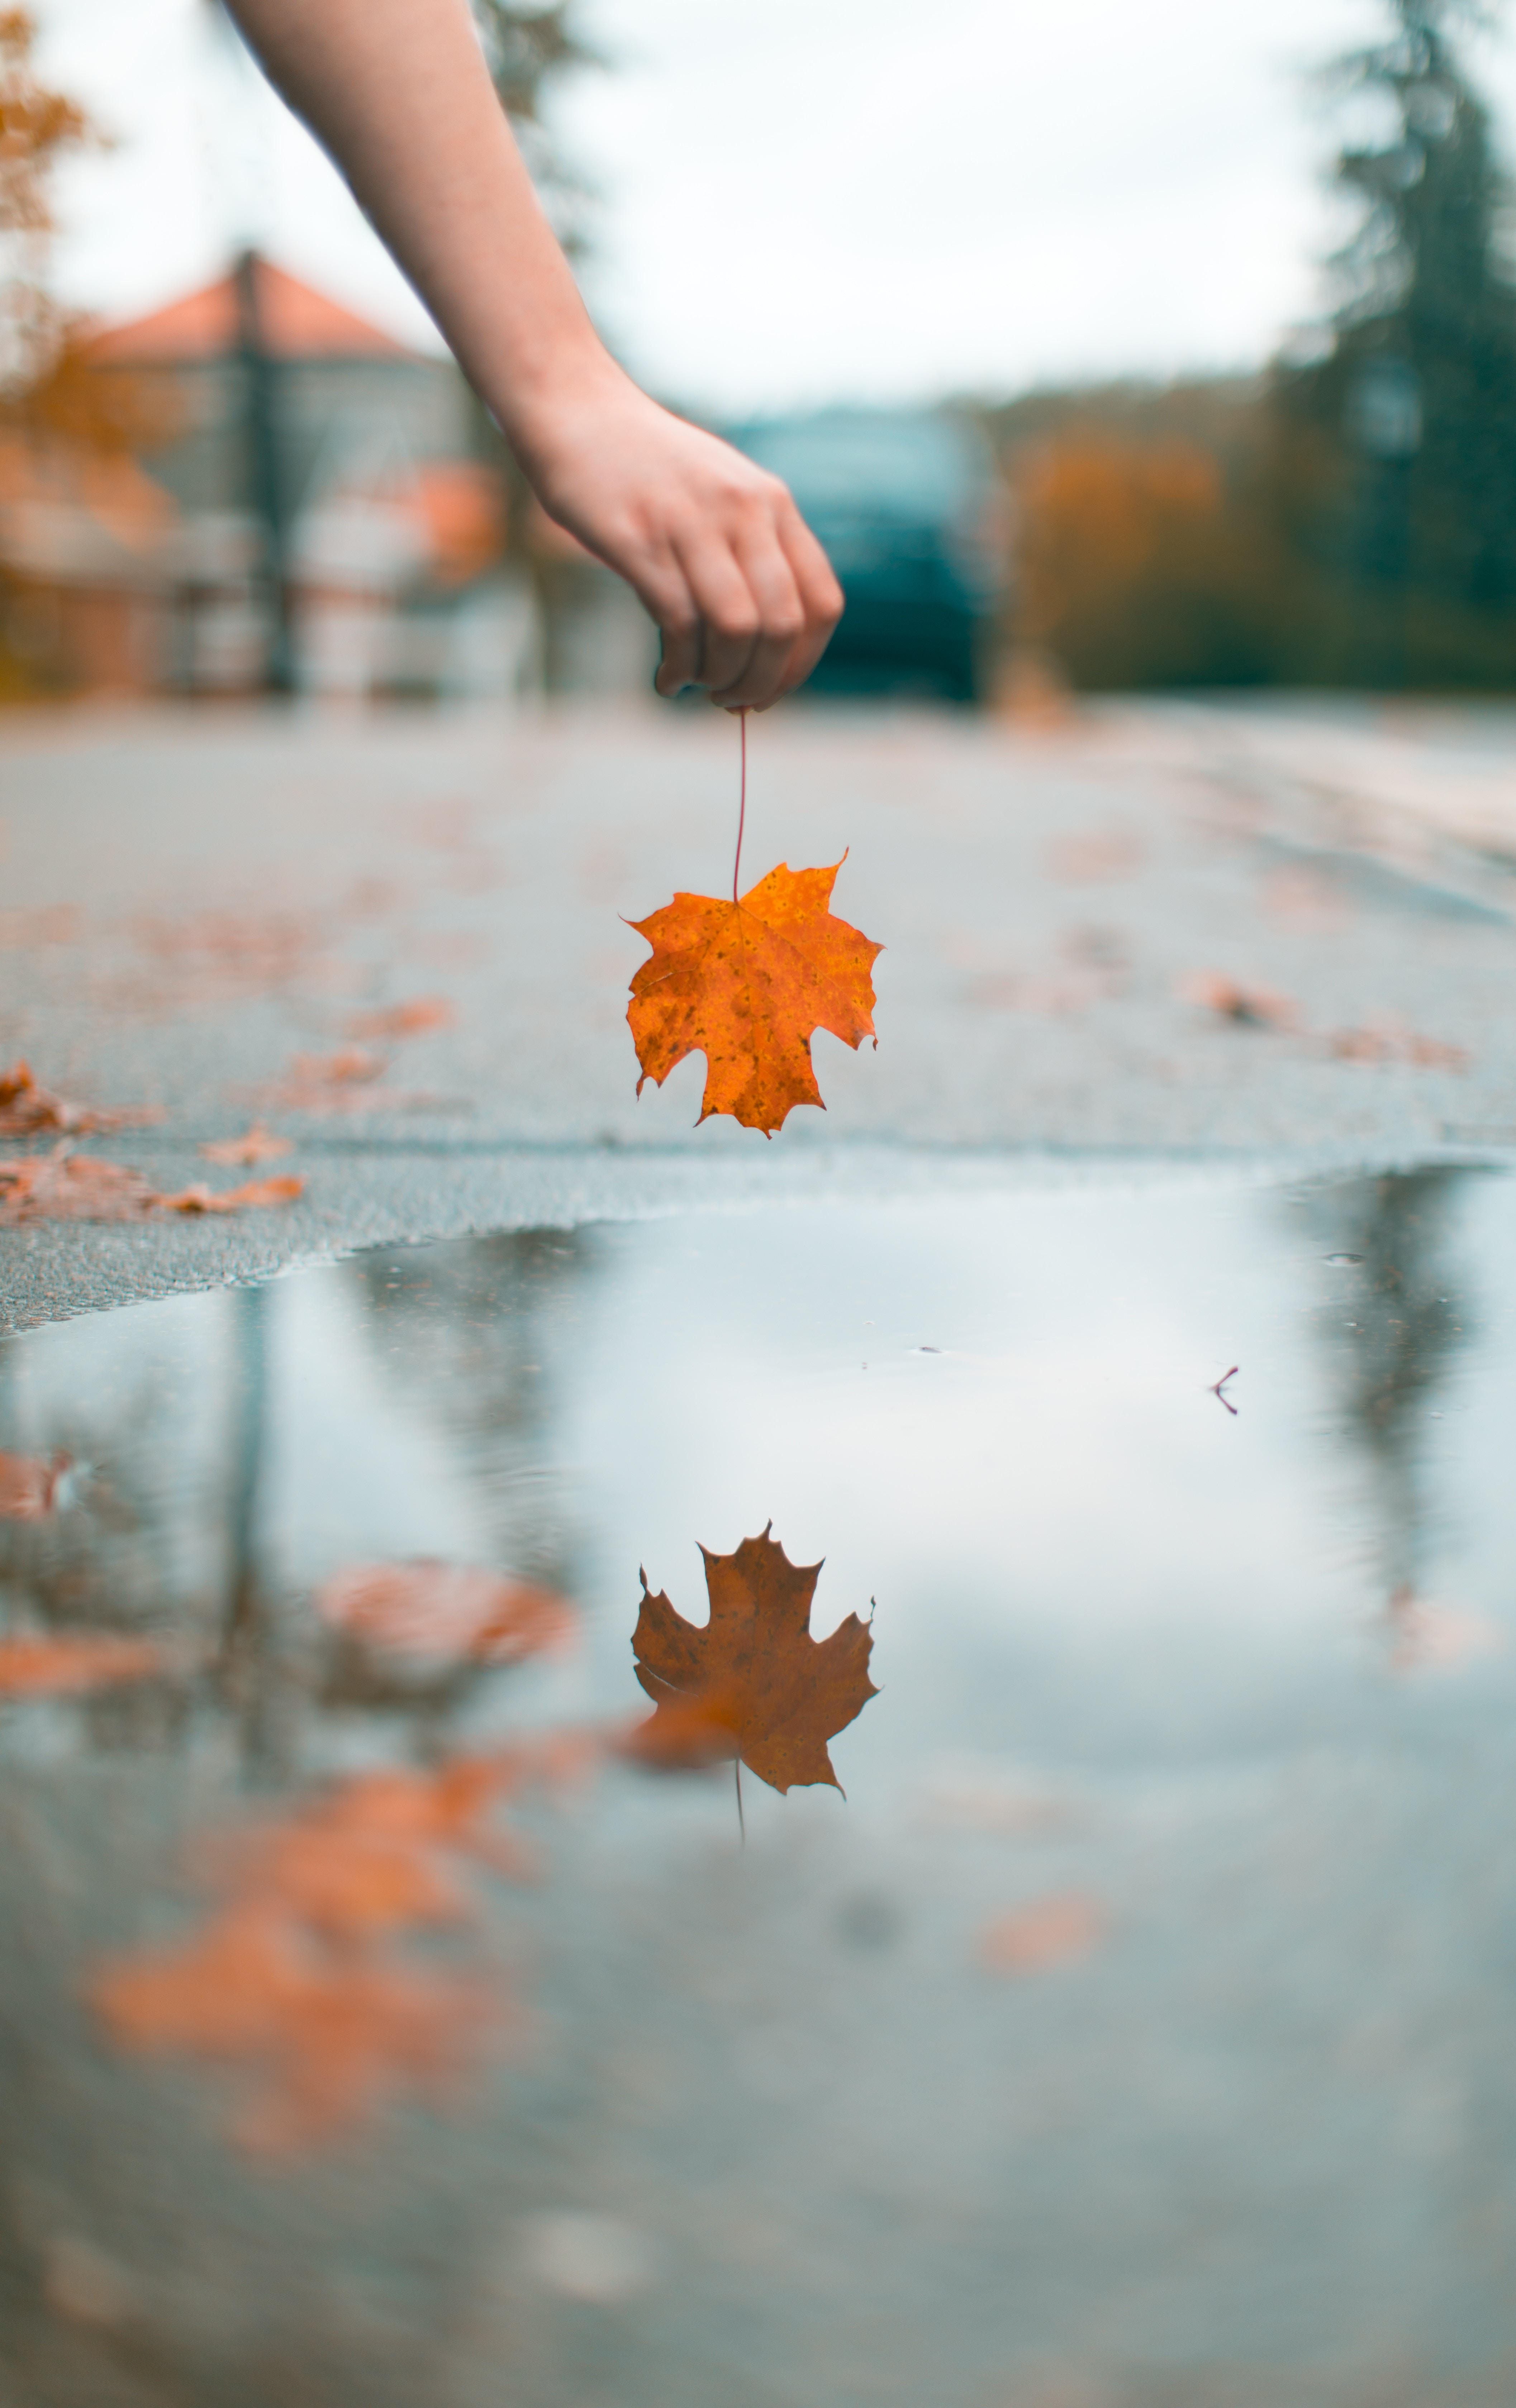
{"points": [[807, 198]]}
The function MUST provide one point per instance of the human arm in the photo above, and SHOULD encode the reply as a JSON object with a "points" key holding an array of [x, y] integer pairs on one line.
{"points": [[398, 92]]}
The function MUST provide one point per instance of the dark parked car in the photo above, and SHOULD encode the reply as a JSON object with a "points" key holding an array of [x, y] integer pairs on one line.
{"points": [[911, 515]]}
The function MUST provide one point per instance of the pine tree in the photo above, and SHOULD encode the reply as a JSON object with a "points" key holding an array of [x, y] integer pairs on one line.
{"points": [[1424, 363]]}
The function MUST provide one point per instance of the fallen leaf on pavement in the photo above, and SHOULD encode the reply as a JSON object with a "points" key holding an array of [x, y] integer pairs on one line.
{"points": [[753, 1683], [1054, 1930], [64, 1186], [351, 1065], [747, 983], [410, 1018], [1388, 1039], [71, 1187], [49, 1667], [1250, 1006], [29, 1486], [254, 1195], [27, 1110], [447, 1612], [255, 1144]]}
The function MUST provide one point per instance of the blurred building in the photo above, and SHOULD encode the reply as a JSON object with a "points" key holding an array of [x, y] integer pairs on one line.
{"points": [[313, 517]]}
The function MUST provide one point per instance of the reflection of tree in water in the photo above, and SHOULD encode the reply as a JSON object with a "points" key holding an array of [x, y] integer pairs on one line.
{"points": [[1392, 1328], [470, 1328], [134, 1545], [466, 1327]]}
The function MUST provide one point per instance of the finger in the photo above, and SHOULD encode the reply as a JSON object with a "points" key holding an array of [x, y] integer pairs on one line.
{"points": [[821, 596], [662, 589], [729, 611], [679, 658], [770, 581]]}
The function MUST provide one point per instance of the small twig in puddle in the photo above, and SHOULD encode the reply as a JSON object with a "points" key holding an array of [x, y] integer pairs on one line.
{"points": [[1217, 1389]]}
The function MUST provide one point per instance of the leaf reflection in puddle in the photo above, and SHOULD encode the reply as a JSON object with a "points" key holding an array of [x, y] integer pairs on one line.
{"points": [[752, 1682]]}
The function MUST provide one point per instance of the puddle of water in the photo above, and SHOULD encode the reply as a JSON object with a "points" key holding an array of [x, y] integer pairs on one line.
{"points": [[1140, 2017]]}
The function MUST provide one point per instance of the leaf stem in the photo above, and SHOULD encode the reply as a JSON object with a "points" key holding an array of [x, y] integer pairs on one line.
{"points": [[742, 1823], [741, 809]]}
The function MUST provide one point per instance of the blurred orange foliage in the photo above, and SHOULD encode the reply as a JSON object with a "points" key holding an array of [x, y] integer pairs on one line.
{"points": [[333, 2032], [447, 1612], [299, 1978], [29, 1486], [1132, 567], [49, 1668]]}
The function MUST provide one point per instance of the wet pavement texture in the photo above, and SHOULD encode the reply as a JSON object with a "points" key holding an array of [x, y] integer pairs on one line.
{"points": [[1285, 934], [1134, 2033]]}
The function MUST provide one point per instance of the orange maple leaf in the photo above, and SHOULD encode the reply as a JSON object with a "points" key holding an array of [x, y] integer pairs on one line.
{"points": [[747, 983], [255, 1144], [26, 1109], [254, 1193], [753, 1683]]}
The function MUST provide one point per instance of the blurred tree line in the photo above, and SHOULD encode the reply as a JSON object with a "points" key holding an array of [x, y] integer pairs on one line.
{"points": [[1350, 519]]}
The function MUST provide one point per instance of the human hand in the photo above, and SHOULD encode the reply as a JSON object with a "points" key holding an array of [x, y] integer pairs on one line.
{"points": [[712, 546], [399, 93]]}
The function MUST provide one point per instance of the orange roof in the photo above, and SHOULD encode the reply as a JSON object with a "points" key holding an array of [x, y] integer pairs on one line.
{"points": [[296, 323]]}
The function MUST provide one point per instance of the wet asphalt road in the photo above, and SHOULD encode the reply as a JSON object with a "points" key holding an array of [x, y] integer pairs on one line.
{"points": [[190, 900]]}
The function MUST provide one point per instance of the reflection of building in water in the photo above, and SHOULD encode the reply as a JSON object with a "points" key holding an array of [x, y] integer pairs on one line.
{"points": [[237, 1449], [1395, 1323]]}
